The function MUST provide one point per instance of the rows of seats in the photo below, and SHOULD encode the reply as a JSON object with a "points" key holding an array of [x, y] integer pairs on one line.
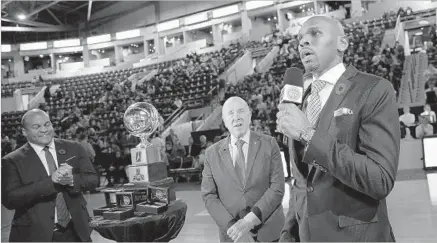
{"points": [[83, 94]]}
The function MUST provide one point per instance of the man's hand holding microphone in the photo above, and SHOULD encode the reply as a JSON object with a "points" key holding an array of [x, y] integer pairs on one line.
{"points": [[291, 121]]}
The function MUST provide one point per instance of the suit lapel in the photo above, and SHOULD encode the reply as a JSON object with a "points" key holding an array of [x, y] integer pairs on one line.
{"points": [[227, 160], [61, 152], [35, 162], [254, 145], [337, 95], [341, 88]]}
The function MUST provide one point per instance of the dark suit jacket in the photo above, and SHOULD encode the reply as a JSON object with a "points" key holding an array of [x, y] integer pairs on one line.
{"points": [[349, 168], [227, 199], [28, 189]]}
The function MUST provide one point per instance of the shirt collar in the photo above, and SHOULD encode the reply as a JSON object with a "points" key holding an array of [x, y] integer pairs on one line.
{"points": [[245, 138], [332, 75], [39, 148]]}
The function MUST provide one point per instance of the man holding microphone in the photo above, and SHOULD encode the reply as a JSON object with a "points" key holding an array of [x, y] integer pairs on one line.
{"points": [[344, 144]]}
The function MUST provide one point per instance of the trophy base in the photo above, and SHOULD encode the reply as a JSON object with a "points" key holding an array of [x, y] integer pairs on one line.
{"points": [[145, 155], [143, 173]]}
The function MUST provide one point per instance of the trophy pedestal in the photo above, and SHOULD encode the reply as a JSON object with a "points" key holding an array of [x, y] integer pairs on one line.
{"points": [[146, 155], [143, 173]]}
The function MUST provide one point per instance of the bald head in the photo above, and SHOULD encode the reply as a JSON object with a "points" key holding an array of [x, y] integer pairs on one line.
{"points": [[235, 100], [30, 114], [334, 24], [236, 116], [37, 127]]}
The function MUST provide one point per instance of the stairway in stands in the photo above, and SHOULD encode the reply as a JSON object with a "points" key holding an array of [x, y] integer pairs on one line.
{"points": [[412, 90], [389, 38]]}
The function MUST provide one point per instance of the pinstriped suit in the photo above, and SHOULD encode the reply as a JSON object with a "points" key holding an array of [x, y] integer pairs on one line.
{"points": [[349, 167]]}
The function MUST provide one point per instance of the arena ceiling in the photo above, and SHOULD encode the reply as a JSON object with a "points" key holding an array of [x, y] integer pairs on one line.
{"points": [[26, 21]]}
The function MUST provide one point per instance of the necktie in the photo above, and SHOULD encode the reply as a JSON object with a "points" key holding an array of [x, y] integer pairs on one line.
{"points": [[315, 104], [240, 165], [61, 208]]}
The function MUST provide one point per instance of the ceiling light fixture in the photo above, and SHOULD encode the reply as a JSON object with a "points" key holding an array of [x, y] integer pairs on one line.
{"points": [[21, 17]]}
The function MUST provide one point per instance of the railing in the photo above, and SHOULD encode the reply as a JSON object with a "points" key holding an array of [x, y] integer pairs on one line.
{"points": [[173, 117], [193, 124]]}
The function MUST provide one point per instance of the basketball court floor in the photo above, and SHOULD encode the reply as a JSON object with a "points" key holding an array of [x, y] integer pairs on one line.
{"points": [[412, 209]]}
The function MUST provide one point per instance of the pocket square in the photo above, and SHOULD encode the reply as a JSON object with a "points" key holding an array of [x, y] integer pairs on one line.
{"points": [[343, 111]]}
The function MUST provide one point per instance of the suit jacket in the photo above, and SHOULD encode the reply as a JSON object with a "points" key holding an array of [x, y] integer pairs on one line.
{"points": [[349, 168], [28, 190], [226, 197]]}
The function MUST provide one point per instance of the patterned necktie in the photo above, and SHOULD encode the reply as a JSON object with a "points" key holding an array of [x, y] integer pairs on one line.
{"points": [[240, 165], [315, 104], [62, 213]]}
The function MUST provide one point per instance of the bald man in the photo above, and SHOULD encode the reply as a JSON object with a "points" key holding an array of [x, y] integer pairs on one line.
{"points": [[43, 182], [345, 140], [243, 180]]}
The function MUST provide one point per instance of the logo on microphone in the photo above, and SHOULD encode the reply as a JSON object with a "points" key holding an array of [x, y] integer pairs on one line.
{"points": [[292, 93]]}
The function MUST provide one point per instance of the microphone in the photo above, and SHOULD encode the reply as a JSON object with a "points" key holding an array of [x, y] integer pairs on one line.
{"points": [[292, 92]]}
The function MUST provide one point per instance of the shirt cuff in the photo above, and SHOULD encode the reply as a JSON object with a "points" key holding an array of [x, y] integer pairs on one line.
{"points": [[253, 219]]}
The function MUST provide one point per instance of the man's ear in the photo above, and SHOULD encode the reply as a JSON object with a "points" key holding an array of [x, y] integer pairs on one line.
{"points": [[342, 43], [24, 132]]}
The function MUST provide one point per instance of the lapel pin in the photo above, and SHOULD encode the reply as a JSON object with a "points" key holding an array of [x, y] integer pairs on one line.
{"points": [[340, 88], [61, 151]]}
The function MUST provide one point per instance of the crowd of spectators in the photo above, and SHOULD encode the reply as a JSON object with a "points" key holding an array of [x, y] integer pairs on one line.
{"points": [[91, 111], [419, 123]]}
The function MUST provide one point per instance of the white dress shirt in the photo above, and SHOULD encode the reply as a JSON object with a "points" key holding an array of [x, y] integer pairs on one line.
{"points": [[330, 77], [234, 149], [408, 119], [39, 150]]}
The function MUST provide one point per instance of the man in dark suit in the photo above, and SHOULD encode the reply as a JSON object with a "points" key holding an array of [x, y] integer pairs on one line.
{"points": [[346, 145], [243, 180], [43, 182]]}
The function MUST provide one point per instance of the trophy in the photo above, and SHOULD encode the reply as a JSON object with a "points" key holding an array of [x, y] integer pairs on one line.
{"points": [[141, 120]]}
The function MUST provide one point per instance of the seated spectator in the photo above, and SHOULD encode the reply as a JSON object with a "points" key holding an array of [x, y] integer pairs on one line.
{"points": [[424, 128], [160, 145], [116, 172], [192, 150], [407, 118], [83, 140], [175, 153], [427, 112], [203, 142]]}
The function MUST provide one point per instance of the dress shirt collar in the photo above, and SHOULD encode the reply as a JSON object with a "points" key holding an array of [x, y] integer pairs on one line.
{"points": [[245, 138], [332, 75], [38, 148]]}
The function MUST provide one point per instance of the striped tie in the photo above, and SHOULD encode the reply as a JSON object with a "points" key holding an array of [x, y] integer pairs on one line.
{"points": [[315, 104], [62, 213], [240, 165]]}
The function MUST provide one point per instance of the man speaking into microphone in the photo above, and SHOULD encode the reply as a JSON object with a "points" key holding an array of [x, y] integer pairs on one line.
{"points": [[344, 139]]}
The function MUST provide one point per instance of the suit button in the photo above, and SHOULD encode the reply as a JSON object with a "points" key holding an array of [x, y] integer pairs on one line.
{"points": [[310, 189]]}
